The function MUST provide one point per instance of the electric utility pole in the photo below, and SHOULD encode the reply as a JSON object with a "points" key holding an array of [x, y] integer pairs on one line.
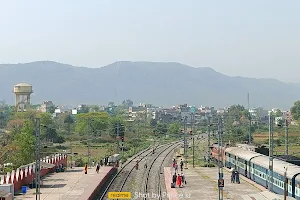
{"points": [[145, 121], [138, 132], [118, 136], [208, 140], [248, 97], [220, 156], [271, 134], [286, 137], [69, 132], [89, 153], [192, 127], [185, 141], [122, 137], [285, 184], [37, 159]]}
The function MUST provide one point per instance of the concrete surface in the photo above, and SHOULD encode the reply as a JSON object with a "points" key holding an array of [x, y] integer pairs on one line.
{"points": [[266, 195], [202, 184], [70, 185]]}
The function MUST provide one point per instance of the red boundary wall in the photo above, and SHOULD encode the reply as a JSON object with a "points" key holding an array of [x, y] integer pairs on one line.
{"points": [[90, 196], [24, 175]]}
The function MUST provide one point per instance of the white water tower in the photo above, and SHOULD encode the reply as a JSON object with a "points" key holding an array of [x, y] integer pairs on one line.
{"points": [[22, 92]]}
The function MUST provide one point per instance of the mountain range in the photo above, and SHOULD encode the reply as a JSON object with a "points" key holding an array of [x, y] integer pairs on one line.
{"points": [[158, 83]]}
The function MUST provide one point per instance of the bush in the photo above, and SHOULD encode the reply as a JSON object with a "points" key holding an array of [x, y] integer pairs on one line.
{"points": [[79, 162], [59, 139], [207, 165]]}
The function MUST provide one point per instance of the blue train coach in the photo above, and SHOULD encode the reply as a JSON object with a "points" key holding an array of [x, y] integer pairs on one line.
{"points": [[240, 159], [255, 166]]}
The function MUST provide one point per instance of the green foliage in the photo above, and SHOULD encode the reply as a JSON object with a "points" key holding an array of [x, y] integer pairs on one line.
{"points": [[68, 119], [127, 103], [45, 119], [5, 112], [95, 108], [25, 145], [28, 115], [174, 128], [79, 162], [278, 113], [98, 120], [51, 109], [153, 123], [84, 109], [161, 129], [295, 110], [235, 112]]}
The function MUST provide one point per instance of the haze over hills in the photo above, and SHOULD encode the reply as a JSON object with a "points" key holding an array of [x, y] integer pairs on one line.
{"points": [[164, 84]]}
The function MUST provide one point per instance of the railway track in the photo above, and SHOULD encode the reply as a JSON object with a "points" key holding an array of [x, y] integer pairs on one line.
{"points": [[154, 182], [118, 183]]}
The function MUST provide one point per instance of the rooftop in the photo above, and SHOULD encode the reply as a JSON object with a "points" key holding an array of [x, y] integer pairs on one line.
{"points": [[23, 84]]}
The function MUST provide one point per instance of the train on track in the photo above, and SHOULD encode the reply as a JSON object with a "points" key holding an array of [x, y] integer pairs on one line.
{"points": [[255, 166]]}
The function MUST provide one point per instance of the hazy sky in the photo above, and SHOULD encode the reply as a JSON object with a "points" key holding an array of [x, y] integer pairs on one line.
{"points": [[255, 38]]}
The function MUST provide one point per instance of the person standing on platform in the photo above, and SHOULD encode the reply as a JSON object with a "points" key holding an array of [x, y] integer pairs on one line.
{"points": [[85, 168], [232, 175], [93, 164], [179, 180], [174, 178], [181, 165], [98, 168], [183, 179], [137, 165], [145, 166], [176, 167], [237, 177]]}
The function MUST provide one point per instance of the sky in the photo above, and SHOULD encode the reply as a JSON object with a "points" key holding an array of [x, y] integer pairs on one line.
{"points": [[238, 38]]}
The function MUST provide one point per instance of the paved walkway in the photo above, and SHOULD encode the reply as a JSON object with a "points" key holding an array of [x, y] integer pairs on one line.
{"points": [[70, 185], [266, 195], [202, 184]]}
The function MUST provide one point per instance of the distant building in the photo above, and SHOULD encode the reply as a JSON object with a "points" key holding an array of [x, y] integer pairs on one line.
{"points": [[82, 109], [135, 112], [46, 106], [74, 111], [168, 115], [61, 109]]}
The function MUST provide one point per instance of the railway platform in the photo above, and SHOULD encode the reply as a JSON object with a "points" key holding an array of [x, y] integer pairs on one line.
{"points": [[266, 195], [71, 184], [202, 184]]}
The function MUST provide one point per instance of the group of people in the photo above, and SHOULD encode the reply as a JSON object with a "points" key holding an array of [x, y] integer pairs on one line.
{"points": [[175, 165], [59, 168], [235, 176], [100, 164], [178, 179]]}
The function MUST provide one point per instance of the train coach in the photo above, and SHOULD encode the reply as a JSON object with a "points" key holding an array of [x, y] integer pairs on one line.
{"points": [[215, 153], [255, 166], [240, 159]]}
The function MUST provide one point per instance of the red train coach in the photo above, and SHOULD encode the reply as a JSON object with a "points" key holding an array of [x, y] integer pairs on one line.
{"points": [[215, 153]]}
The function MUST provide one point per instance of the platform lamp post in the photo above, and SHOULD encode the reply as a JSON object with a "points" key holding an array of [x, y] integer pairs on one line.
{"points": [[185, 141], [220, 158], [208, 139], [37, 159], [89, 152], [271, 141], [286, 137]]}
